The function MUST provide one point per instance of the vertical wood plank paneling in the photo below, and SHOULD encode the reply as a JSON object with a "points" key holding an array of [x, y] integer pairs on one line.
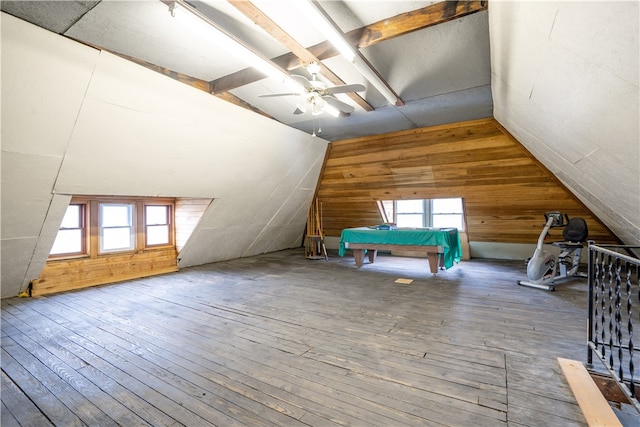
{"points": [[505, 190]]}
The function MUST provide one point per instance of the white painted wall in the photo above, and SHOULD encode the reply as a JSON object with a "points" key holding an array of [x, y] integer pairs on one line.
{"points": [[79, 121], [565, 83]]}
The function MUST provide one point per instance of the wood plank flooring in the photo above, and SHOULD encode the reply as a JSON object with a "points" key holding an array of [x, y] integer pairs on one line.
{"points": [[279, 340]]}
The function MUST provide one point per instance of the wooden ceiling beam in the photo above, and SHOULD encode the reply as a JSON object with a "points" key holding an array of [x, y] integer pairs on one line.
{"points": [[303, 55], [274, 30], [377, 32], [405, 23]]}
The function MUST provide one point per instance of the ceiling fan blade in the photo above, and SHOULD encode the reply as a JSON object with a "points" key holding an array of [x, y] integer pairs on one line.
{"points": [[302, 80], [270, 95], [345, 88], [345, 108]]}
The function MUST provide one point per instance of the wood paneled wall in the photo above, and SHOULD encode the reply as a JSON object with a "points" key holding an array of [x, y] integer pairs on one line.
{"points": [[505, 190], [64, 275]]}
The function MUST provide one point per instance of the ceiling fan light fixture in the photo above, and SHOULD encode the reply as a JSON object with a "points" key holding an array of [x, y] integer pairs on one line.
{"points": [[317, 97], [317, 104]]}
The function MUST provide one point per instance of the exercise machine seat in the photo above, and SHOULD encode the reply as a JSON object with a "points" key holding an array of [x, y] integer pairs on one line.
{"points": [[574, 233]]}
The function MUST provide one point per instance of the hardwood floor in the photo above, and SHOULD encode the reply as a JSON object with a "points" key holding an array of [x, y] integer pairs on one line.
{"points": [[281, 340]]}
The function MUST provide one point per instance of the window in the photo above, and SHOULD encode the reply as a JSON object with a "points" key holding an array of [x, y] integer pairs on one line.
{"points": [[116, 227], [411, 213], [99, 226], [446, 213], [156, 220], [70, 239], [436, 213]]}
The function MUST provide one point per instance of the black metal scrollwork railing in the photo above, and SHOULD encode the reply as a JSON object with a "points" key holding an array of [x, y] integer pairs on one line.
{"points": [[614, 305]]}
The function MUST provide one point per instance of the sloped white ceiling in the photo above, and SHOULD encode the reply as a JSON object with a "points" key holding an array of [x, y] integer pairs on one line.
{"points": [[565, 83], [441, 72]]}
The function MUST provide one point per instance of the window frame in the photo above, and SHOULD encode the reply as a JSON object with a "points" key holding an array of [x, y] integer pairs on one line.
{"points": [[170, 223], [433, 213], [427, 213], [132, 213], [92, 236]]}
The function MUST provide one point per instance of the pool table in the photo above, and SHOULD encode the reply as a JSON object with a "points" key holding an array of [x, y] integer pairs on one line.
{"points": [[442, 246]]}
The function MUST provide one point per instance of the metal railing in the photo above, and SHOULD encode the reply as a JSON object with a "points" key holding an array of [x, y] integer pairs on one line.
{"points": [[614, 305]]}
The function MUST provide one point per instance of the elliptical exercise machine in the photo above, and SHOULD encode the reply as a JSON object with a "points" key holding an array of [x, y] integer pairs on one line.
{"points": [[543, 270]]}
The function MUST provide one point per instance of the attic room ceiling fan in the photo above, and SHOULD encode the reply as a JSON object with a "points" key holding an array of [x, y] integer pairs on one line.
{"points": [[317, 97]]}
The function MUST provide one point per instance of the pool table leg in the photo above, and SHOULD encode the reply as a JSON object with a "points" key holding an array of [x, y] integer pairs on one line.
{"points": [[358, 255], [433, 261]]}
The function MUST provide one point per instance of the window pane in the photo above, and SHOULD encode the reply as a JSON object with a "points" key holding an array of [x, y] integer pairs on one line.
{"points": [[116, 215], [447, 205], [157, 235], [410, 220], [409, 206], [69, 239], [448, 221], [72, 217], [116, 239], [67, 242], [157, 215]]}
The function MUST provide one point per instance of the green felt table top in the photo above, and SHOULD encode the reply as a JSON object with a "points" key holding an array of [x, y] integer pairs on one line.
{"points": [[448, 238]]}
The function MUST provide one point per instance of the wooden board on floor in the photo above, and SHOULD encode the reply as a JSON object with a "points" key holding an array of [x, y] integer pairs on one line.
{"points": [[594, 406]]}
